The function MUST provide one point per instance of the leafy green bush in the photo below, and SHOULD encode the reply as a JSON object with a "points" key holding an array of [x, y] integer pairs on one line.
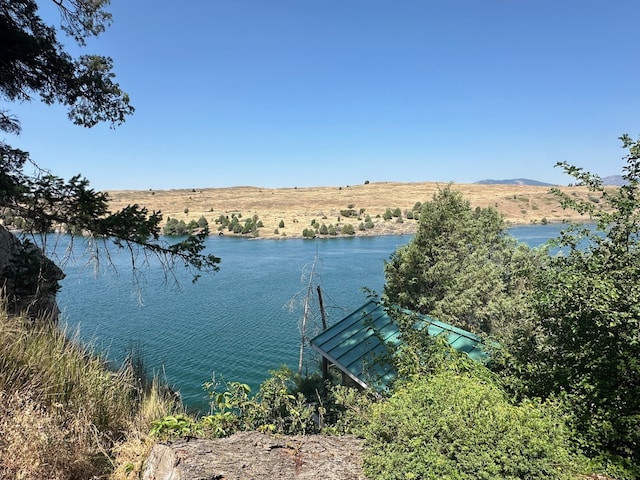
{"points": [[347, 410], [583, 346], [457, 424], [278, 407], [179, 425]]}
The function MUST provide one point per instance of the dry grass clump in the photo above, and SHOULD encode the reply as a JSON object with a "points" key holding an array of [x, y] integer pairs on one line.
{"points": [[63, 413], [45, 441]]}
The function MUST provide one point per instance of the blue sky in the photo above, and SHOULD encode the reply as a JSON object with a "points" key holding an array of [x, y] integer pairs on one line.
{"points": [[295, 93]]}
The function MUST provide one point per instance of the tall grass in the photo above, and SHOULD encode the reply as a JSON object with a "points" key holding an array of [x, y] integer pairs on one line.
{"points": [[63, 413]]}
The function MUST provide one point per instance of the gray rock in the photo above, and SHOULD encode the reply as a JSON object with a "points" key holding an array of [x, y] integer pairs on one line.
{"points": [[257, 456], [28, 279]]}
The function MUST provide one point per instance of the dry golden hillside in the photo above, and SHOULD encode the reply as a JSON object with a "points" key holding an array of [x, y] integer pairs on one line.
{"points": [[298, 207]]}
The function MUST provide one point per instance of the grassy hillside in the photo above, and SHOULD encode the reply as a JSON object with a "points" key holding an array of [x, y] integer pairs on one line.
{"points": [[298, 207]]}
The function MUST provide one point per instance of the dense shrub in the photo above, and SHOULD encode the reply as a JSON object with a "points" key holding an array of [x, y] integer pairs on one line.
{"points": [[350, 212], [278, 407], [233, 224], [178, 227], [460, 425], [202, 222], [368, 223], [348, 229]]}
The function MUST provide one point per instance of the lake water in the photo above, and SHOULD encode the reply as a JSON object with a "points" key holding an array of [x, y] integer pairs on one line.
{"points": [[240, 322]]}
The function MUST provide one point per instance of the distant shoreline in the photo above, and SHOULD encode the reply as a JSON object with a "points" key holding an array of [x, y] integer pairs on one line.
{"points": [[287, 212]]}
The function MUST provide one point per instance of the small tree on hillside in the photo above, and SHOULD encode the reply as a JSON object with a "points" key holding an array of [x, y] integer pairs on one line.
{"points": [[348, 229], [202, 222]]}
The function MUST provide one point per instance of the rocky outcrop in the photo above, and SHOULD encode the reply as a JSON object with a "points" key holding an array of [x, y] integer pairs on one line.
{"points": [[28, 279], [257, 456]]}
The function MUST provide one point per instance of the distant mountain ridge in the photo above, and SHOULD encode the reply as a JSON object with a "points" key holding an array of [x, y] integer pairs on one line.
{"points": [[615, 180], [516, 181], [611, 180]]}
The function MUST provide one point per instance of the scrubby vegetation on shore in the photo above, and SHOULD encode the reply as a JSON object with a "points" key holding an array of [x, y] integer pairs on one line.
{"points": [[383, 208]]}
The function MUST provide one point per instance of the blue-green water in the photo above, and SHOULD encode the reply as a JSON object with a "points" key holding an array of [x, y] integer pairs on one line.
{"points": [[239, 322]]}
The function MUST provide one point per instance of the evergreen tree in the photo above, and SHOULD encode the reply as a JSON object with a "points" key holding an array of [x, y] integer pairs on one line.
{"points": [[348, 229], [460, 267], [202, 222]]}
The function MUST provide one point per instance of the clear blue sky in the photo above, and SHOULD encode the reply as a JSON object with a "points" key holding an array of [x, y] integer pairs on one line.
{"points": [[285, 93]]}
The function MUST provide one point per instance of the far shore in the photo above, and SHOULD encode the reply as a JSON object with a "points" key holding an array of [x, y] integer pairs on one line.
{"points": [[287, 212]]}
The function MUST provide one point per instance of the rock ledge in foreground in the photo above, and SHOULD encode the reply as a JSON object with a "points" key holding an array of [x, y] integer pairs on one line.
{"points": [[257, 456]]}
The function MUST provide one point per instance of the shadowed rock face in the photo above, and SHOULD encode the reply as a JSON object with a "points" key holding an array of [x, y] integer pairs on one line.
{"points": [[29, 280], [257, 456]]}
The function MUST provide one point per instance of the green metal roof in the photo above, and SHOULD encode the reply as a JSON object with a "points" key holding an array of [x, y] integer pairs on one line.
{"points": [[357, 343]]}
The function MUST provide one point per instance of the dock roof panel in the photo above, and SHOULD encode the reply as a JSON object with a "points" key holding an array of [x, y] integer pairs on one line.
{"points": [[356, 344]]}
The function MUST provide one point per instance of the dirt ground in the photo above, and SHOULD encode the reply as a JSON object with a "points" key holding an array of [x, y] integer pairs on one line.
{"points": [[298, 207]]}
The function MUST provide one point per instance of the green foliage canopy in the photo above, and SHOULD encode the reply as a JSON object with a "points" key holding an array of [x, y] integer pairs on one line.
{"points": [[458, 424], [461, 267], [585, 346]]}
